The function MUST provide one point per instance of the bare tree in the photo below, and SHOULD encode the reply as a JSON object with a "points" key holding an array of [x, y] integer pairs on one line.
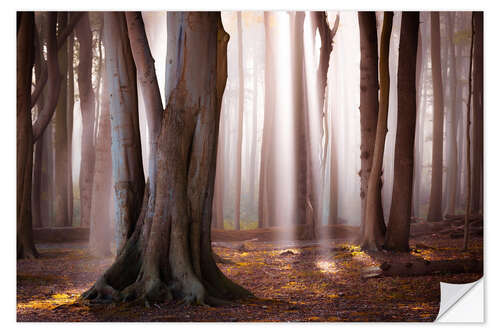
{"points": [[373, 232], [398, 228], [369, 108], [435, 201]]}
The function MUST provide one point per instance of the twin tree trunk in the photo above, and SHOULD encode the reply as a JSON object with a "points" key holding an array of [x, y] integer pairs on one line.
{"points": [[374, 226], [398, 229], [169, 255], [435, 211], [369, 109]]}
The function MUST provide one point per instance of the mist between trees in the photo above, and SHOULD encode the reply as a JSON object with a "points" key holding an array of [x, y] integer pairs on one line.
{"points": [[119, 129]]}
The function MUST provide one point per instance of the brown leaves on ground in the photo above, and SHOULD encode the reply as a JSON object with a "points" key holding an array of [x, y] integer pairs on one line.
{"points": [[292, 282]]}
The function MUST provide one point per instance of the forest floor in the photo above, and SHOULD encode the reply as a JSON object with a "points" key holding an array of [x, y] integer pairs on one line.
{"points": [[292, 281]]}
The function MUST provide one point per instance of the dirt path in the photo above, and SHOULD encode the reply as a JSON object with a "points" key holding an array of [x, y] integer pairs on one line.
{"points": [[292, 282]]}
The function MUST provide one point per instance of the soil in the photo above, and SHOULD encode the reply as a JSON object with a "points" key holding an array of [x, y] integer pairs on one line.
{"points": [[291, 281]]}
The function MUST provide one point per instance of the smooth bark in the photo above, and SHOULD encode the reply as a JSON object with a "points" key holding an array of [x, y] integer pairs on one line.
{"points": [[435, 201], [398, 228]]}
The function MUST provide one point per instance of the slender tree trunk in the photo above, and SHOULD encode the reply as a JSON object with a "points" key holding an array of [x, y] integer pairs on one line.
{"points": [[418, 127], [61, 137], [468, 157], [265, 197], [36, 194], [304, 202], [374, 227], [453, 124], [128, 174], [398, 229], [239, 126], [87, 108], [69, 124], [368, 107], [477, 121], [170, 255], [24, 135], [435, 210]]}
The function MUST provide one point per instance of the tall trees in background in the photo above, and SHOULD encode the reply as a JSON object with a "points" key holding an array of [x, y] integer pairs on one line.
{"points": [[369, 109], [398, 228], [435, 210], [175, 245], [128, 174], [374, 228]]}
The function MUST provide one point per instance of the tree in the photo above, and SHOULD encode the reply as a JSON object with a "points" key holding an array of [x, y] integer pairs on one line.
{"points": [[398, 228], [266, 158], [477, 121], [475, 51], [24, 134], [87, 108], [452, 157], [62, 156], [435, 213], [128, 174], [368, 108], [100, 236], [374, 226], [170, 255], [239, 121]]}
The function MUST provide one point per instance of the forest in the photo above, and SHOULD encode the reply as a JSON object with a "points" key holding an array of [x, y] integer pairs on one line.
{"points": [[246, 165]]}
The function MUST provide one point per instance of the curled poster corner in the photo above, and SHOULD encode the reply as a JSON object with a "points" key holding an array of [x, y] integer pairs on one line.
{"points": [[461, 302]]}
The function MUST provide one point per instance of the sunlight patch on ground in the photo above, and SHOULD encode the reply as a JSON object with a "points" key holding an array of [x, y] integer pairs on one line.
{"points": [[326, 266], [49, 303]]}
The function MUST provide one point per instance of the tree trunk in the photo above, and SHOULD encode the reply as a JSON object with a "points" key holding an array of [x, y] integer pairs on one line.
{"points": [[24, 135], [87, 108], [61, 137], [170, 255], [69, 124], [398, 229], [477, 121], [453, 124], [128, 174], [374, 227], [100, 237], [304, 205], [368, 106], [435, 213], [473, 48], [239, 126], [36, 194], [265, 184]]}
